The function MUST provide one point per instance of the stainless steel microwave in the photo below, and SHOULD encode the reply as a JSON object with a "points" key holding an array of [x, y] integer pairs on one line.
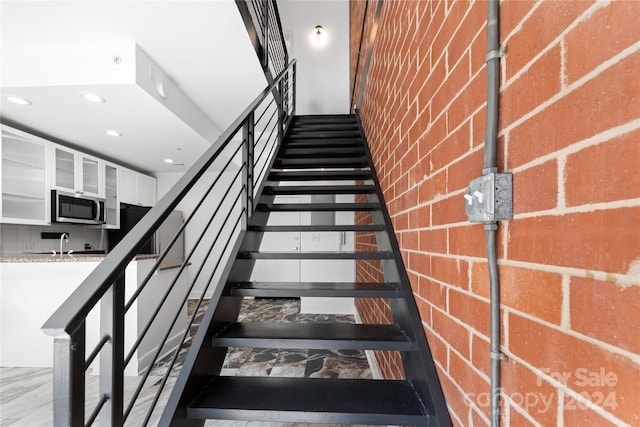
{"points": [[76, 208]]}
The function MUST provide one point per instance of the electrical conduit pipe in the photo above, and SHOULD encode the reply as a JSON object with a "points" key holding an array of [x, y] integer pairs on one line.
{"points": [[490, 165]]}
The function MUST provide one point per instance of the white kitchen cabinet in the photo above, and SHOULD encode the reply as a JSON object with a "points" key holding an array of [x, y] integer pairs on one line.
{"points": [[112, 201], [137, 188], [147, 190], [76, 172], [24, 186]]}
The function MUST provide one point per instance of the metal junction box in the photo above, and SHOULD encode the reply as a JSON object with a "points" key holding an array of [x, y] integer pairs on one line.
{"points": [[490, 198]]}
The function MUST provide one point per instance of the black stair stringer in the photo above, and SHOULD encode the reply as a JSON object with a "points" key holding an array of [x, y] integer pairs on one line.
{"points": [[204, 361], [419, 366]]}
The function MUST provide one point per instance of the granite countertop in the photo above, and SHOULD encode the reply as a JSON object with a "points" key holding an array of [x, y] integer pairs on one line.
{"points": [[26, 258]]}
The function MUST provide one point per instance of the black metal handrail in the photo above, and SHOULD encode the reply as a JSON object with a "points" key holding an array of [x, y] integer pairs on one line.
{"points": [[356, 101], [239, 176], [355, 72], [262, 19]]}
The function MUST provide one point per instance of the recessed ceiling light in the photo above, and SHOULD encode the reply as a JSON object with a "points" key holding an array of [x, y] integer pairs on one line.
{"points": [[169, 160], [92, 97], [17, 100], [112, 132]]}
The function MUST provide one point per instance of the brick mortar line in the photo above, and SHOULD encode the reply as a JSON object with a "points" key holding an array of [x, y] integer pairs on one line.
{"points": [[633, 357], [453, 98], [560, 410], [604, 66], [517, 29], [563, 64], [593, 207], [453, 34], [437, 171], [586, 14], [452, 131], [566, 390], [508, 310], [446, 372], [592, 141], [599, 275], [464, 326], [519, 410], [557, 385], [453, 349], [447, 74], [504, 225], [561, 201], [573, 148], [565, 313], [447, 68]]}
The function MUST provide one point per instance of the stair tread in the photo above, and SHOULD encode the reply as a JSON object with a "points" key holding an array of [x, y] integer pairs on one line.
{"points": [[321, 162], [315, 255], [322, 143], [317, 289], [319, 189], [320, 175], [329, 133], [325, 125], [311, 228], [325, 400], [327, 117], [286, 151], [327, 336], [317, 207]]}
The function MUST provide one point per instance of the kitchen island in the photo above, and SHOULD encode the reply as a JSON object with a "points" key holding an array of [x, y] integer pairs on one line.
{"points": [[32, 287]]}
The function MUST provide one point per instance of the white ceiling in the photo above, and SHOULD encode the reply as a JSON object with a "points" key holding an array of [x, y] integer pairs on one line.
{"points": [[202, 46]]}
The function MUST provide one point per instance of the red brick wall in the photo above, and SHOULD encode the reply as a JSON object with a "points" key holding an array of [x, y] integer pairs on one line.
{"points": [[570, 259]]}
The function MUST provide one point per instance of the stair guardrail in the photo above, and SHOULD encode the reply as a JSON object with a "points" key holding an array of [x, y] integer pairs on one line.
{"points": [[218, 191], [262, 19]]}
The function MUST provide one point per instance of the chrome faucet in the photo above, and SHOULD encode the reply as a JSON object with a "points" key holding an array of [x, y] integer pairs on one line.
{"points": [[63, 237]]}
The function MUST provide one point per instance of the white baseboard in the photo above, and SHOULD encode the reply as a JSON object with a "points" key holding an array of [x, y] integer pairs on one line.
{"points": [[371, 358], [169, 347], [198, 294]]}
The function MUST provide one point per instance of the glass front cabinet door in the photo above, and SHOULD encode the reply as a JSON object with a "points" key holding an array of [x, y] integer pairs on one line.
{"points": [[77, 172], [112, 202], [24, 178]]}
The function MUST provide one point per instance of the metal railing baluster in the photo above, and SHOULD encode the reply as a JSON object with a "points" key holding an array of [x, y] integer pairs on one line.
{"points": [[247, 155], [111, 365]]}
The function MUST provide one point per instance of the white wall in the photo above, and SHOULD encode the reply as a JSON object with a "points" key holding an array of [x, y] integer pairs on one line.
{"points": [[323, 73]]}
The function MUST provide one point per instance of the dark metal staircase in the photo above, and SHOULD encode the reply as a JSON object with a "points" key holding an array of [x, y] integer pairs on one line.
{"points": [[319, 155]]}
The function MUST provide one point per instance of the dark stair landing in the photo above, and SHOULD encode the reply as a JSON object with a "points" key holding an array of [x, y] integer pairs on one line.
{"points": [[320, 156]]}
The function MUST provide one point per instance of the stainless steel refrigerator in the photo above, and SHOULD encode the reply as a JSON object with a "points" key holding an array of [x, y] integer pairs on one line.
{"points": [[129, 217]]}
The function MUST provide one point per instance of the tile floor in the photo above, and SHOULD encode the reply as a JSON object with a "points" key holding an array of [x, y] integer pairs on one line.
{"points": [[26, 393]]}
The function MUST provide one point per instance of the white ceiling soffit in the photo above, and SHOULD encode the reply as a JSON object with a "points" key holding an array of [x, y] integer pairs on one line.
{"points": [[174, 74]]}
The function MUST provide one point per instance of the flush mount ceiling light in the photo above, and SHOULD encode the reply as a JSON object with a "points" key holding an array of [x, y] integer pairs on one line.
{"points": [[318, 36], [17, 100], [112, 132], [92, 97], [173, 162]]}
